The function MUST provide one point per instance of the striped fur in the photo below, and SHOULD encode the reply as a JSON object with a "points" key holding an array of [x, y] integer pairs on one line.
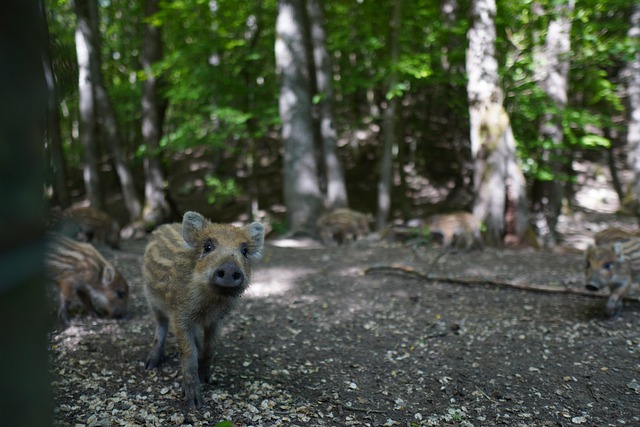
{"points": [[342, 225], [194, 273], [612, 235], [460, 230], [616, 266], [80, 270]]}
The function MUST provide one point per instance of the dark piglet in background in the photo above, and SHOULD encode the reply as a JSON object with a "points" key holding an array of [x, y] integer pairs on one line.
{"points": [[194, 273], [80, 270], [86, 224]]}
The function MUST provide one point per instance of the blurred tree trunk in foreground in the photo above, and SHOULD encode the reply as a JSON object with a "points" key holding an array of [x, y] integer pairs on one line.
{"points": [[25, 397]]}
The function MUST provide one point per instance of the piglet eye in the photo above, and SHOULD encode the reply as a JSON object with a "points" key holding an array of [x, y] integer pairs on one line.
{"points": [[120, 294], [607, 266], [208, 246], [244, 249]]}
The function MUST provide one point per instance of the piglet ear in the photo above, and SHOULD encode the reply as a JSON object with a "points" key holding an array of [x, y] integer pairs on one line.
{"points": [[256, 233], [108, 274], [589, 251], [192, 223]]}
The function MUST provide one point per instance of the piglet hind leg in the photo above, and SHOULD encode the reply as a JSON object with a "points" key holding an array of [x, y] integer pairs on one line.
{"points": [[157, 350]]}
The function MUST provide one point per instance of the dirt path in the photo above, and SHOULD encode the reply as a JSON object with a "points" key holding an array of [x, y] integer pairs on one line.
{"points": [[316, 342]]}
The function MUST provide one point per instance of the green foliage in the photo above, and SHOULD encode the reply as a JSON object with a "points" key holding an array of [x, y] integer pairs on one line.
{"points": [[225, 423], [220, 190], [219, 80], [210, 126], [598, 48]]}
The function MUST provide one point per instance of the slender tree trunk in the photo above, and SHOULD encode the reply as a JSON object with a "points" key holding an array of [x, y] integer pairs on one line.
{"points": [[553, 78], [336, 188], [156, 209], [449, 13], [301, 188], [87, 13], [633, 91], [386, 168], [54, 150], [114, 144], [87, 115], [253, 32]]}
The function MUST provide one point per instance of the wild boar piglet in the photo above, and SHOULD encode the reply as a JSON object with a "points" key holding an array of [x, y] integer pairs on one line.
{"points": [[194, 274]]}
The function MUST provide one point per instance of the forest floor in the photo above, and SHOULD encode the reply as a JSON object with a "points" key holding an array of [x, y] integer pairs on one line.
{"points": [[350, 336]]}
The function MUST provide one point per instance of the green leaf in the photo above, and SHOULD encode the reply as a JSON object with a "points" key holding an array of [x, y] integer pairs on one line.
{"points": [[594, 141]]}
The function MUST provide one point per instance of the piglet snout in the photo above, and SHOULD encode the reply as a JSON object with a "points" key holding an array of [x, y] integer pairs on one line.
{"points": [[228, 277]]}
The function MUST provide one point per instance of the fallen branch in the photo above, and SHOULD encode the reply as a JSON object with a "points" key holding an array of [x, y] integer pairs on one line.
{"points": [[405, 269]]}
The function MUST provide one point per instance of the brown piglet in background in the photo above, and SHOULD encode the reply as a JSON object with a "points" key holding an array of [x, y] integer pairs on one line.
{"points": [[79, 269], [194, 274]]}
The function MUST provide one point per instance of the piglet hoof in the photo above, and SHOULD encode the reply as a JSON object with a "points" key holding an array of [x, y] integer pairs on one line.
{"points": [[613, 311], [153, 361], [192, 395], [205, 378]]}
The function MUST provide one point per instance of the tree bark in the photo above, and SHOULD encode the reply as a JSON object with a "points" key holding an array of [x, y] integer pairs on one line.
{"points": [[85, 45], [56, 161], [487, 124], [499, 185], [301, 188], [87, 11], [156, 209], [633, 93], [482, 66], [386, 168], [553, 78], [336, 189]]}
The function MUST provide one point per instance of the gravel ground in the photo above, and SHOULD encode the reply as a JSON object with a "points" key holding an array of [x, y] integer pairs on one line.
{"points": [[320, 340]]}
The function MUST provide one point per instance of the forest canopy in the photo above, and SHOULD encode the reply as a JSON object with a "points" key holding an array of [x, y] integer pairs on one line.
{"points": [[399, 77]]}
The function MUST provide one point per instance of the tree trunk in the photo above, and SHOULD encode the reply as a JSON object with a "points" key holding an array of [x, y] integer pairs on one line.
{"points": [[156, 209], [25, 389], [499, 184], [553, 78], [85, 47], [633, 91], [336, 188], [301, 189], [56, 161], [386, 167], [106, 116], [252, 36], [487, 123], [482, 66]]}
